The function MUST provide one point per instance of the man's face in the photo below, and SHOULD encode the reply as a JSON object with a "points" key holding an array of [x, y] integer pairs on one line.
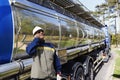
{"points": [[40, 34]]}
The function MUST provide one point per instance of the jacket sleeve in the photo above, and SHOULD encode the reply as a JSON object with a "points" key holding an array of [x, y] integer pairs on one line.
{"points": [[31, 48], [57, 64]]}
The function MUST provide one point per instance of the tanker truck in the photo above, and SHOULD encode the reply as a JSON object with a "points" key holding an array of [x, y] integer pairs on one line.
{"points": [[77, 36]]}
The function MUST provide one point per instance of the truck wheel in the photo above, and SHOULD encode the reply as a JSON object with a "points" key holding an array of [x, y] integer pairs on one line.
{"points": [[90, 75], [78, 73]]}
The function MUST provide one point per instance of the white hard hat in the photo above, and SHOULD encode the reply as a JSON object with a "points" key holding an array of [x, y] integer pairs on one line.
{"points": [[36, 29]]}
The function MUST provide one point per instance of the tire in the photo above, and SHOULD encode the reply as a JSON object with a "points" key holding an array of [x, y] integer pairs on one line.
{"points": [[78, 73], [90, 75]]}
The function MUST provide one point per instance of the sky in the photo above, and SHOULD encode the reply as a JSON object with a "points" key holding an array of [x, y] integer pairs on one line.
{"points": [[90, 4]]}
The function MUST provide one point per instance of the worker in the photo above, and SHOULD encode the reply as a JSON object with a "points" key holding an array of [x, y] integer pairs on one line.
{"points": [[46, 64]]}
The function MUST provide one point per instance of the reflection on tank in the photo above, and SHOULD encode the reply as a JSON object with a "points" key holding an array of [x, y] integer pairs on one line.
{"points": [[62, 31]]}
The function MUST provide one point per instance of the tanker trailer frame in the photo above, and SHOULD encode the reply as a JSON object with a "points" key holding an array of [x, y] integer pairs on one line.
{"points": [[77, 36]]}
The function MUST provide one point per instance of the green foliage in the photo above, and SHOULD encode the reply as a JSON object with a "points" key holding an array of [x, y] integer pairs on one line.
{"points": [[27, 26], [117, 65], [115, 39]]}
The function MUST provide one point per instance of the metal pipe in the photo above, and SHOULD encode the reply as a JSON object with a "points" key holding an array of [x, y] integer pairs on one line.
{"points": [[9, 69], [27, 64], [14, 68]]}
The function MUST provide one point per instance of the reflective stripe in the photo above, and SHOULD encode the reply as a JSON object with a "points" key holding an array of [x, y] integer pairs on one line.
{"points": [[46, 48]]}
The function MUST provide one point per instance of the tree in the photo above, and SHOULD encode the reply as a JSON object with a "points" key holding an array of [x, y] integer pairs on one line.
{"points": [[101, 11]]}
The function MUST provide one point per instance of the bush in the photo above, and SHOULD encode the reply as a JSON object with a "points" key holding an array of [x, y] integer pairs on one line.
{"points": [[115, 39]]}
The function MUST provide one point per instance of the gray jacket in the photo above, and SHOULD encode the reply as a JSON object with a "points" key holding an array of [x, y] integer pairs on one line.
{"points": [[42, 66]]}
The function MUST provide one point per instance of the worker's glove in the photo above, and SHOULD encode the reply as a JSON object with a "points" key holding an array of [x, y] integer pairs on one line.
{"points": [[59, 76]]}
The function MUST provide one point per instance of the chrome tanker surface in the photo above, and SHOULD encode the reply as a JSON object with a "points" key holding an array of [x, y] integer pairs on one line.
{"points": [[63, 31]]}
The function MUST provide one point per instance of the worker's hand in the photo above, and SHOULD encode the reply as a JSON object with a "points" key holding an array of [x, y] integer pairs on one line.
{"points": [[59, 77], [36, 36]]}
